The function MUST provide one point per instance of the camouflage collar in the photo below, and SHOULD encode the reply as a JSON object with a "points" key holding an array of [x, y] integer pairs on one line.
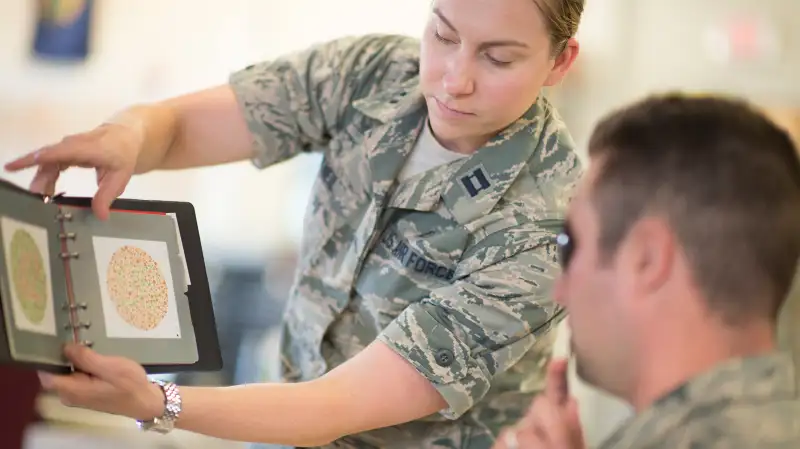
{"points": [[483, 179], [770, 375], [767, 377], [470, 187]]}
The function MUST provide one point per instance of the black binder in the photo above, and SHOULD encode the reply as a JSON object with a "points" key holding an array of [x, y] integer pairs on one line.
{"points": [[134, 285]]}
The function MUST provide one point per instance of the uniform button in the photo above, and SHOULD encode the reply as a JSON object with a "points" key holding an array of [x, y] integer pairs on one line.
{"points": [[444, 357]]}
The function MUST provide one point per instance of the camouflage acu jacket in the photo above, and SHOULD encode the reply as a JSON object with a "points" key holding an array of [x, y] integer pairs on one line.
{"points": [[452, 268], [744, 404]]}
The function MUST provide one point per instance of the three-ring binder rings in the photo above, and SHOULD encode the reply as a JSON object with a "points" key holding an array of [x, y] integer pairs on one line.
{"points": [[133, 285]]}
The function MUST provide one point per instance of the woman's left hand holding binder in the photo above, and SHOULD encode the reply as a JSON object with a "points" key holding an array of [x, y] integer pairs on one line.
{"points": [[107, 384]]}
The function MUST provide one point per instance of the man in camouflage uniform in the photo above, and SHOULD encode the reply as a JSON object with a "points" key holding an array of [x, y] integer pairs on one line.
{"points": [[421, 310], [680, 247]]}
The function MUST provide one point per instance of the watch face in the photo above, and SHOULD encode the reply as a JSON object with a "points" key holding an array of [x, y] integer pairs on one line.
{"points": [[156, 425], [172, 409], [161, 429]]}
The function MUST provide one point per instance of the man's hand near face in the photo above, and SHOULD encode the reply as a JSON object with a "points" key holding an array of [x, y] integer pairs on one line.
{"points": [[552, 422]]}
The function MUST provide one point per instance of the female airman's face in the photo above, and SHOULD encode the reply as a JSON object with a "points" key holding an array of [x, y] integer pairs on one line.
{"points": [[483, 64]]}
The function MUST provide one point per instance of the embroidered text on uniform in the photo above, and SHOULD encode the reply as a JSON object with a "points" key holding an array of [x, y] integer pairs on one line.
{"points": [[400, 250]]}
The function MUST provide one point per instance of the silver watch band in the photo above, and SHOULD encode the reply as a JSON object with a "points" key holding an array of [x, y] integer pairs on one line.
{"points": [[172, 409]]}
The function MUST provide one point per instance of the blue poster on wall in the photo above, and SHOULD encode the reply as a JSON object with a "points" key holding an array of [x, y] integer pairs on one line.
{"points": [[63, 29]]}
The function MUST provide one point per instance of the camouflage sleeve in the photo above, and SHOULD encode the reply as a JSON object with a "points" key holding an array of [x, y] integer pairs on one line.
{"points": [[464, 334], [296, 102], [788, 330]]}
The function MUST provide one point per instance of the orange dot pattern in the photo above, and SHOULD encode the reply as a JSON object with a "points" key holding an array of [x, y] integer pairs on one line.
{"points": [[137, 288], [29, 275]]}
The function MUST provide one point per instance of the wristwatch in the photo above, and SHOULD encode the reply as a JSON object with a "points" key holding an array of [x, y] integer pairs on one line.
{"points": [[172, 409]]}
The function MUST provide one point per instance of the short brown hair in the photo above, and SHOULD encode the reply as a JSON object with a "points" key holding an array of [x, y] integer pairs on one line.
{"points": [[562, 18], [726, 179]]}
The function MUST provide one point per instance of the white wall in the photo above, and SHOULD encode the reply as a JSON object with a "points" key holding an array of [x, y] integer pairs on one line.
{"points": [[147, 50]]}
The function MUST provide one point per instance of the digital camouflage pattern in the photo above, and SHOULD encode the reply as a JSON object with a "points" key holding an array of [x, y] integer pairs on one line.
{"points": [[789, 322], [452, 268], [743, 404]]}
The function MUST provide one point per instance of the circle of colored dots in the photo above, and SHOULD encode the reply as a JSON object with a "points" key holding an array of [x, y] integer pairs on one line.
{"points": [[137, 288], [28, 275]]}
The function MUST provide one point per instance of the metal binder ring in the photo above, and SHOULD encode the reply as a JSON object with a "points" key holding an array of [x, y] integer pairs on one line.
{"points": [[80, 305], [87, 343], [69, 255], [51, 198], [84, 325], [67, 235], [64, 216]]}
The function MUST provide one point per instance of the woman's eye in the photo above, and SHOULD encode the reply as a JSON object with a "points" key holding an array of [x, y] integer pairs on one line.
{"points": [[498, 62], [441, 38]]}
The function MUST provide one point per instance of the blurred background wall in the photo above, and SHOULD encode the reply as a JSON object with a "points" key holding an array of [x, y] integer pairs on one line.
{"points": [[250, 220], [149, 50], [143, 51]]}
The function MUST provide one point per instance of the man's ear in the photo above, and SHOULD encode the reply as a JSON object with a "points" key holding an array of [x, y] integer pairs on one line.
{"points": [[648, 255]]}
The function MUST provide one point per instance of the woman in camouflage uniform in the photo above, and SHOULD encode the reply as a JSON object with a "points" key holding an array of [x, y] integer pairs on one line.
{"points": [[421, 312]]}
